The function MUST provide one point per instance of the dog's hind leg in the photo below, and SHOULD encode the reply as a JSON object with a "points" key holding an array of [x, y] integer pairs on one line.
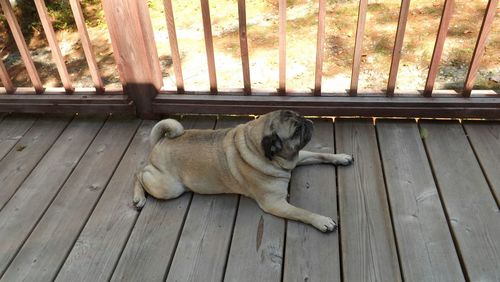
{"points": [[308, 158], [160, 184], [139, 196]]}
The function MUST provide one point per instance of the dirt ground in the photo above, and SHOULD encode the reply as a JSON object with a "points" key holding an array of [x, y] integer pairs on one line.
{"points": [[262, 20]]}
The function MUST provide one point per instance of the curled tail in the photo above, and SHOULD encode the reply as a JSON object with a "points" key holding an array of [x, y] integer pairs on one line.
{"points": [[167, 127]]}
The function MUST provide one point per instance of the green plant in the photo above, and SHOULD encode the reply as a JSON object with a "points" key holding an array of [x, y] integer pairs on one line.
{"points": [[383, 45], [459, 56], [60, 10]]}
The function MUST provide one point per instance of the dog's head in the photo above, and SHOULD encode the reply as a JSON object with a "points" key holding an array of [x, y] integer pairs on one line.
{"points": [[285, 134]]}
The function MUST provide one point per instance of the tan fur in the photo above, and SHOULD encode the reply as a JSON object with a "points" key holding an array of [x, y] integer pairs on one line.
{"points": [[233, 161]]}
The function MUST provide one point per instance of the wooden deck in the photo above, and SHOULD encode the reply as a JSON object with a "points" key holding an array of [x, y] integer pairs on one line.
{"points": [[420, 203]]}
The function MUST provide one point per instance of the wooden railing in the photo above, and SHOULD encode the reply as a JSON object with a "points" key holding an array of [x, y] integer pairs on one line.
{"points": [[139, 69]]}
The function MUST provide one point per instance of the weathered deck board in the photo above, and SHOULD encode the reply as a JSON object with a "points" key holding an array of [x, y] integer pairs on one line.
{"points": [[18, 163], [98, 248], [311, 255], [367, 239], [257, 243], [471, 208], [37, 191], [12, 128], [151, 245], [55, 227], [485, 140], [204, 243], [51, 240], [424, 241]]}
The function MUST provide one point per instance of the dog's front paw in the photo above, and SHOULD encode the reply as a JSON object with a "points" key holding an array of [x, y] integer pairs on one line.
{"points": [[343, 159], [324, 224]]}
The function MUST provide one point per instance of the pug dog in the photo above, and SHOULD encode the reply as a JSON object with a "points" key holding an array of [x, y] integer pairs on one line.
{"points": [[254, 159]]}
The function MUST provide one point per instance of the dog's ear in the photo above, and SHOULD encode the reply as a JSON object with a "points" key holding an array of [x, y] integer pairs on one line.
{"points": [[272, 145]]}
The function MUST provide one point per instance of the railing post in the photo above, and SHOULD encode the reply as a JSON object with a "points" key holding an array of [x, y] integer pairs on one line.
{"points": [[135, 52]]}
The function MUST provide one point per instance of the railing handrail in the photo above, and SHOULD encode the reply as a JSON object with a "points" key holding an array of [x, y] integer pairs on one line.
{"points": [[138, 63]]}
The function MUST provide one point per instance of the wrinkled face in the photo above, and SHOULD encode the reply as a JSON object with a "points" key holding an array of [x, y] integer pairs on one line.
{"points": [[286, 134]]}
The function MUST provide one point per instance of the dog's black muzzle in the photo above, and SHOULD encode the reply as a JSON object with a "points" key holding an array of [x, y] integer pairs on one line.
{"points": [[306, 128]]}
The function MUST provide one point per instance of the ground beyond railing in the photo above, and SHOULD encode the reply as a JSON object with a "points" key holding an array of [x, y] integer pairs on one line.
{"points": [[140, 73]]}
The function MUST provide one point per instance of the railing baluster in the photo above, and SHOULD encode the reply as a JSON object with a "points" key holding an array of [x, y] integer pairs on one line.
{"points": [[87, 45], [21, 45], [244, 46], [174, 46], [480, 45], [149, 42], [4, 77], [358, 46], [209, 45], [282, 47], [398, 46], [320, 45], [438, 47], [56, 51]]}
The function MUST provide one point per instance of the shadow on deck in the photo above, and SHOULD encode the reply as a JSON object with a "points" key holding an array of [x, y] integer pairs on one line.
{"points": [[420, 204]]}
